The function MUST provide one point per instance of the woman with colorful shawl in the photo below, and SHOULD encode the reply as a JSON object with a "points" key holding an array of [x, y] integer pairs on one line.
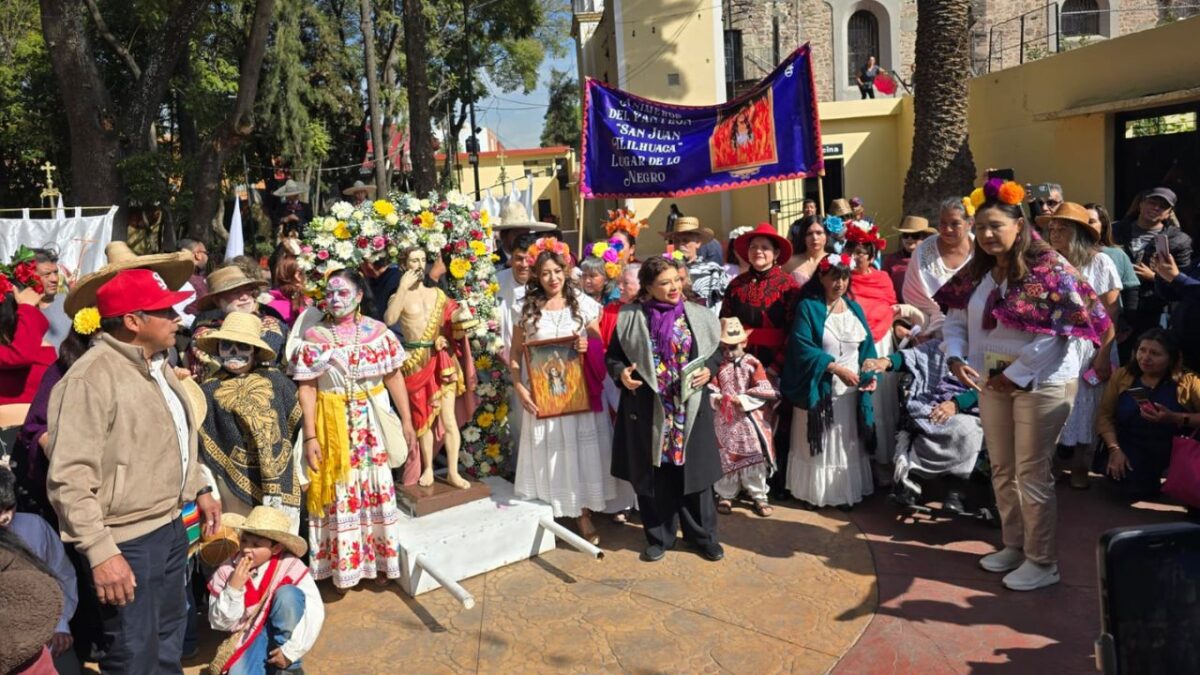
{"points": [[833, 430], [1016, 316]]}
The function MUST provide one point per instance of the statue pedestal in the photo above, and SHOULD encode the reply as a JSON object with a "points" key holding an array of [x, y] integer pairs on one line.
{"points": [[420, 501], [463, 541]]}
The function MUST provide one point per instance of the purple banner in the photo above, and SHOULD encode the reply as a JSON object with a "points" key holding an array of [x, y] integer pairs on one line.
{"points": [[636, 147]]}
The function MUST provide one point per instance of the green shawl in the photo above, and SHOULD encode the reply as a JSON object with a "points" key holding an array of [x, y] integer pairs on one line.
{"points": [[806, 381]]}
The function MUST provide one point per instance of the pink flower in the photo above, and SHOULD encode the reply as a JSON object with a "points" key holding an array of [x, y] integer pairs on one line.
{"points": [[306, 249], [322, 255], [611, 255], [379, 243]]}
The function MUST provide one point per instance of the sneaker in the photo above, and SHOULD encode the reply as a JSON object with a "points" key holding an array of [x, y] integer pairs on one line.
{"points": [[1004, 560], [1031, 576], [653, 553], [713, 552]]}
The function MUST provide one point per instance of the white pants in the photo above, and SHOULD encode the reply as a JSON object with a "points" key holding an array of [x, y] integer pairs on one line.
{"points": [[752, 479]]}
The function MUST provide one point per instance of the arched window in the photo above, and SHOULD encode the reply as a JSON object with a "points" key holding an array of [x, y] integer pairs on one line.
{"points": [[863, 41], [1080, 18]]}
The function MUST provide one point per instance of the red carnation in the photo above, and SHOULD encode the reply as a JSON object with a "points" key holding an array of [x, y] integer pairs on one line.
{"points": [[477, 235], [6, 286]]}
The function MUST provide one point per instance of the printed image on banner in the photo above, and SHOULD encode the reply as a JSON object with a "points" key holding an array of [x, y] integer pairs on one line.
{"points": [[636, 147]]}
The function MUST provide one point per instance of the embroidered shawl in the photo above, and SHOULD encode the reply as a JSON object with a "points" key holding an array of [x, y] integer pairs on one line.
{"points": [[282, 570], [1053, 299]]}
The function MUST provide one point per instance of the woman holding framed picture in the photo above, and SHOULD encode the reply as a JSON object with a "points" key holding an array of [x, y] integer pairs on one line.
{"points": [[662, 353], [564, 449]]}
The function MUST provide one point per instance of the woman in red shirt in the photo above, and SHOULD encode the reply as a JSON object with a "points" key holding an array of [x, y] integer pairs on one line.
{"points": [[24, 353]]}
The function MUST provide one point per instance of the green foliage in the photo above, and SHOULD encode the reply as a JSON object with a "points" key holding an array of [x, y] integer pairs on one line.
{"points": [[563, 117]]}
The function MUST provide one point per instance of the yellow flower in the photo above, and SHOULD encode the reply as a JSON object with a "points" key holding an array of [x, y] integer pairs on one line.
{"points": [[612, 270], [485, 420], [341, 231], [384, 208], [428, 220], [495, 258], [502, 411], [478, 247], [459, 268], [86, 321], [484, 219], [483, 362], [493, 450], [493, 288]]}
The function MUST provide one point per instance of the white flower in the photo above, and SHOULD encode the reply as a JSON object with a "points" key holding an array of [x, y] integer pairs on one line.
{"points": [[392, 219], [412, 205], [305, 263], [333, 266], [344, 250], [357, 215], [323, 241], [370, 228], [467, 459], [486, 390], [341, 210], [329, 224], [437, 241], [471, 434], [424, 203]]}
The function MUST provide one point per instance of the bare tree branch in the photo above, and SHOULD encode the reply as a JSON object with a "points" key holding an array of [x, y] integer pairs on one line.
{"points": [[102, 28]]}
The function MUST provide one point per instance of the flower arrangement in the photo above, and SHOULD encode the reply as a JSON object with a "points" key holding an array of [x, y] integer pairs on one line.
{"points": [[834, 260], [346, 238], [447, 227], [20, 272], [865, 232]]}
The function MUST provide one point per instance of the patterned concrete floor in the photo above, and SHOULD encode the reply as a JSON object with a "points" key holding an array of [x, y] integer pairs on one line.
{"points": [[793, 594]]}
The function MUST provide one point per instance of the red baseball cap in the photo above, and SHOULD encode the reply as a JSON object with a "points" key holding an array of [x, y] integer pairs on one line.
{"points": [[139, 290]]}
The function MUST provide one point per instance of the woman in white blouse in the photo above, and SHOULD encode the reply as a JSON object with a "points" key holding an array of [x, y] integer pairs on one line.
{"points": [[937, 259], [1016, 318]]}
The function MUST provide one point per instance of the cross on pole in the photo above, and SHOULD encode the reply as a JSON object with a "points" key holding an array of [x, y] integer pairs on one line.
{"points": [[50, 192]]}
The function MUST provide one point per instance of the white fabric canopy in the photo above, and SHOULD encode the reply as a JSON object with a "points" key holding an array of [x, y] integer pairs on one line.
{"points": [[79, 239]]}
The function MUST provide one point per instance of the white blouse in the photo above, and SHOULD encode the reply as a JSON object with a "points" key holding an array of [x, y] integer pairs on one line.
{"points": [[1036, 359], [926, 274]]}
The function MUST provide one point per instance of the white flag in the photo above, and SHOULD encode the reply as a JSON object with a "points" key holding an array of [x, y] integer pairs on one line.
{"points": [[61, 214], [235, 246]]}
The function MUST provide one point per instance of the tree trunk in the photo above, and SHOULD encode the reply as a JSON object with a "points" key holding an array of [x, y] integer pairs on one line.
{"points": [[87, 106], [423, 178], [373, 106], [942, 165], [206, 183]]}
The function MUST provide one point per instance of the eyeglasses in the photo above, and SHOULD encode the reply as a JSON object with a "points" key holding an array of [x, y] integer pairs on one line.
{"points": [[168, 313], [911, 235], [1052, 203]]}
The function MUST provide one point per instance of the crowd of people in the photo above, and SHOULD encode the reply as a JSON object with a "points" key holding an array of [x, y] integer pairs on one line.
{"points": [[171, 428]]}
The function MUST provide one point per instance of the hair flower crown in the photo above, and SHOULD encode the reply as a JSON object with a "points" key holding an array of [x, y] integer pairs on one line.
{"points": [[548, 245], [865, 232], [623, 220], [834, 225], [1004, 191], [834, 260]]}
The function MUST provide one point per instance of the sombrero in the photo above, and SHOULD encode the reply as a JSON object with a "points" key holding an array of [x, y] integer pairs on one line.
{"points": [[174, 268], [688, 225], [275, 525], [226, 279], [357, 187], [239, 327], [513, 215], [290, 188]]}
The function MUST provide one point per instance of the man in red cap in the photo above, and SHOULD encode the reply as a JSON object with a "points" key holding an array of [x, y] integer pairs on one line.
{"points": [[123, 463]]}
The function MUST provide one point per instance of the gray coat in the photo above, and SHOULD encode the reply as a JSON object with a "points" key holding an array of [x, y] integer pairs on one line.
{"points": [[637, 446]]}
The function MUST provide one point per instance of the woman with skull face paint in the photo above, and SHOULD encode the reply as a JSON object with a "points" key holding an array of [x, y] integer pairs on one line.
{"points": [[253, 412], [346, 366], [229, 290]]}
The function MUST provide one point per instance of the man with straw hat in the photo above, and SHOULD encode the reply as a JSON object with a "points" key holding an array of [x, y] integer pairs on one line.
{"points": [[913, 230], [124, 462], [292, 214], [514, 222], [230, 290], [708, 279], [246, 440], [359, 193], [265, 596]]}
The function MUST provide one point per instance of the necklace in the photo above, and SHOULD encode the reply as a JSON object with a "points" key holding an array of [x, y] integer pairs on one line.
{"points": [[352, 361]]}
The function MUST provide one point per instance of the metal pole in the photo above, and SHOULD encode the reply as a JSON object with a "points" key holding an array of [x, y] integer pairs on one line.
{"points": [[1057, 27], [1022, 38], [569, 537], [471, 93], [774, 33], [452, 587]]}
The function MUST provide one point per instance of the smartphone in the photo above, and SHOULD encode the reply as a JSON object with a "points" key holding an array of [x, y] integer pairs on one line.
{"points": [[1139, 394], [1002, 174], [1162, 247], [1149, 599]]}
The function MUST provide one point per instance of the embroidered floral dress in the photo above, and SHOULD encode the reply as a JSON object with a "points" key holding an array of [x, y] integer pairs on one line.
{"points": [[353, 535], [670, 386]]}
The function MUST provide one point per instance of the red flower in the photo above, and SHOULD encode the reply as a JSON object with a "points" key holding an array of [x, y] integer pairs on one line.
{"points": [[6, 286]]}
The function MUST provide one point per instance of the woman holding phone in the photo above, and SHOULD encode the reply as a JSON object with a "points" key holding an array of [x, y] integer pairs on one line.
{"points": [[1145, 404], [1017, 319]]}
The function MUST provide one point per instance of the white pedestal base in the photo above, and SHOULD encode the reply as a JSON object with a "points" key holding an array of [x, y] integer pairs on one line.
{"points": [[471, 539]]}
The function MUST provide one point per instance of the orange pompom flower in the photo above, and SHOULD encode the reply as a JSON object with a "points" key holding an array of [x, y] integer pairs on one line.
{"points": [[1011, 192]]}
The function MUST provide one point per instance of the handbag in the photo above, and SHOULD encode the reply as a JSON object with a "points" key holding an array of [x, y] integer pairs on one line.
{"points": [[1183, 474]]}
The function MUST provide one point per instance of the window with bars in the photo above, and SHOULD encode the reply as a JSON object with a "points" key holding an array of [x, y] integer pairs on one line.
{"points": [[863, 42], [735, 65], [1080, 18]]}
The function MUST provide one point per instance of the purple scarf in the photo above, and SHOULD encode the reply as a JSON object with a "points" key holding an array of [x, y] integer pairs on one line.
{"points": [[661, 317]]}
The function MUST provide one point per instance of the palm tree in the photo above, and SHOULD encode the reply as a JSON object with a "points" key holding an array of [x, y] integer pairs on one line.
{"points": [[942, 165]]}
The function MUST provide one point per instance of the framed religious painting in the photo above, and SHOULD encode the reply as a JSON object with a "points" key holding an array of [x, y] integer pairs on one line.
{"points": [[556, 379]]}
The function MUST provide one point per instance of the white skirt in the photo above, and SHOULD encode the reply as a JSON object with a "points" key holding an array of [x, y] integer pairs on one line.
{"points": [[1080, 428], [841, 472], [566, 462]]}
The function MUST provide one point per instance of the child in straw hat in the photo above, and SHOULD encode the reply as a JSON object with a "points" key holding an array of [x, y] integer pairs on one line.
{"points": [[740, 392], [265, 596]]}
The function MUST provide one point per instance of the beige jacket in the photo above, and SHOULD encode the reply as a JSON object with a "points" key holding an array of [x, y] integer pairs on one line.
{"points": [[115, 466]]}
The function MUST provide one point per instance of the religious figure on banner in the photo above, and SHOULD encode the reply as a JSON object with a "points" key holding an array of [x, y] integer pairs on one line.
{"points": [[745, 138], [439, 371]]}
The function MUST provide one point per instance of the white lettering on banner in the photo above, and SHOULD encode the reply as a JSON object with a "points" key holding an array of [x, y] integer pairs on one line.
{"points": [[621, 161], [641, 177]]}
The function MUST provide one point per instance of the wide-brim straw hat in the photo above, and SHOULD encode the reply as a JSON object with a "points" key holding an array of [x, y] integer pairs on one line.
{"points": [[359, 186], [742, 244], [291, 187], [688, 225], [224, 543], [174, 268], [514, 215], [196, 400], [915, 225], [732, 332], [275, 525], [840, 207], [226, 279], [1074, 213], [239, 327]]}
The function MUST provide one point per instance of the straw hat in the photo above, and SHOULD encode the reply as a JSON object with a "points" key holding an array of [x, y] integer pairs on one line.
{"points": [[742, 243], [174, 268], [688, 225], [359, 186], [732, 332], [915, 225], [840, 207], [239, 327], [224, 543], [226, 279], [1075, 213], [195, 399], [274, 525], [513, 216], [290, 188]]}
